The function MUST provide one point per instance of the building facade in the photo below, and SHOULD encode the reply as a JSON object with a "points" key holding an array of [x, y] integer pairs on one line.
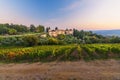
{"points": [[55, 33]]}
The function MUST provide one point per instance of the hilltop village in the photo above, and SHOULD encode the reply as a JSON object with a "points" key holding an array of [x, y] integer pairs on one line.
{"points": [[56, 32]]}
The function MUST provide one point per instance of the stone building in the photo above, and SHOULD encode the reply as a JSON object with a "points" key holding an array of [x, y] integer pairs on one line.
{"points": [[55, 33]]}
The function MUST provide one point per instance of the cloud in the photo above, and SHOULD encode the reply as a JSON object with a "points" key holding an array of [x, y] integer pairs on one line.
{"points": [[72, 6]]}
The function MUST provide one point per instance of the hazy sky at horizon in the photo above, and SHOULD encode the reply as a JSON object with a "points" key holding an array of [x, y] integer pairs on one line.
{"points": [[80, 14]]}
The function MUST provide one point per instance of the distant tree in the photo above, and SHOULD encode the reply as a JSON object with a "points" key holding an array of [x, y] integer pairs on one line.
{"points": [[61, 37], [23, 28], [47, 29], [32, 28], [7, 25], [87, 39], [94, 39], [78, 34], [75, 33], [12, 31], [66, 29], [115, 39], [30, 40], [19, 28], [53, 41], [3, 30], [71, 39], [56, 28], [40, 29]]}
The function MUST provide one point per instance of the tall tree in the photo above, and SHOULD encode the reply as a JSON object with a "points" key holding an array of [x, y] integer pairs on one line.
{"points": [[12, 32], [56, 28], [3, 29], [40, 29], [32, 28], [47, 29]]}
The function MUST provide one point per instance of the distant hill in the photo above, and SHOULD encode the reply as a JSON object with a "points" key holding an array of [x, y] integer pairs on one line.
{"points": [[108, 32]]}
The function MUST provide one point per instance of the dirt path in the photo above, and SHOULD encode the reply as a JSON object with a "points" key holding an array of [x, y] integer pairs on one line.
{"points": [[94, 70]]}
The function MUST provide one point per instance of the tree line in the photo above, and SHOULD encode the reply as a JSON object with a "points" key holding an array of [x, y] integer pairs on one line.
{"points": [[89, 37], [13, 29], [79, 36]]}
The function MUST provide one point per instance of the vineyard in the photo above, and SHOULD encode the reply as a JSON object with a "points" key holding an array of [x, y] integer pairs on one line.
{"points": [[60, 53]]}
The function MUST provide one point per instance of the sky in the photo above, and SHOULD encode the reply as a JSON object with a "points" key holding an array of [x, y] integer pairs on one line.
{"points": [[79, 14]]}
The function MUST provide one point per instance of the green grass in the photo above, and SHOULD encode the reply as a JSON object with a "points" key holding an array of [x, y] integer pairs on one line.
{"points": [[24, 34]]}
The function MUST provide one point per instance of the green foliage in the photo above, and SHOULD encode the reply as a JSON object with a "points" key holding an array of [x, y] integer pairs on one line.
{"points": [[101, 51], [115, 39], [40, 29], [115, 49], [39, 53], [11, 41], [43, 41], [47, 29], [12, 32], [89, 37], [53, 41], [30, 40], [69, 39], [82, 36], [61, 37], [32, 28], [13, 29], [60, 53], [3, 30]]}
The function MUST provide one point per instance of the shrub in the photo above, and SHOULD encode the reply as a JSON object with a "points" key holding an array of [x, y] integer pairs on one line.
{"points": [[43, 41], [30, 40], [53, 41], [12, 31], [115, 50]]}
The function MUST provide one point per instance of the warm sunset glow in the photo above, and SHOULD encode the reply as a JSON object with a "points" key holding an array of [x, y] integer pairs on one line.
{"points": [[80, 14]]}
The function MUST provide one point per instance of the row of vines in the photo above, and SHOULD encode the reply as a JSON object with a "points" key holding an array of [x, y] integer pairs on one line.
{"points": [[101, 51], [60, 53]]}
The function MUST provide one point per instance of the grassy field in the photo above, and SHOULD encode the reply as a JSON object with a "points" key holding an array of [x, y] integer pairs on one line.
{"points": [[25, 34], [60, 53]]}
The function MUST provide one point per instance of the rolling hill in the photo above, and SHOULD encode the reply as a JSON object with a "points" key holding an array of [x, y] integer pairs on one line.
{"points": [[108, 32]]}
